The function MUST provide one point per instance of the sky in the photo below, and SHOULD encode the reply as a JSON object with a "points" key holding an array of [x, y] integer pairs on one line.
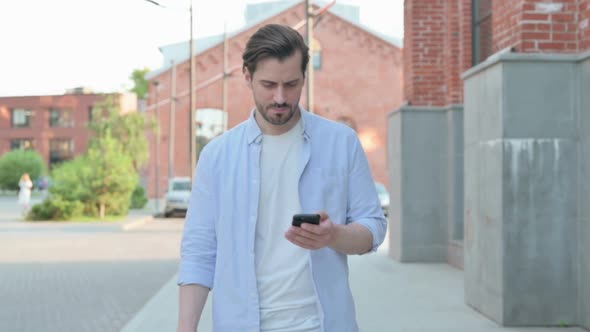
{"points": [[49, 46]]}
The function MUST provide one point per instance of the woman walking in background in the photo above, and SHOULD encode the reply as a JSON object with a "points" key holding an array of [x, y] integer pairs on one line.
{"points": [[24, 194]]}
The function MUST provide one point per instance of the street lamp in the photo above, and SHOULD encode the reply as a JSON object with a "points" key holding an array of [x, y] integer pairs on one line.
{"points": [[191, 143]]}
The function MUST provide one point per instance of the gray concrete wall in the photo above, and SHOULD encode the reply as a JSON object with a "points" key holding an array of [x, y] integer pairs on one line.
{"points": [[584, 200], [521, 176], [419, 169], [484, 286]]}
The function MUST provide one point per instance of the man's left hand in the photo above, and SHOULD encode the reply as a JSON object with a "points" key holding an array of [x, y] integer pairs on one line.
{"points": [[311, 236]]}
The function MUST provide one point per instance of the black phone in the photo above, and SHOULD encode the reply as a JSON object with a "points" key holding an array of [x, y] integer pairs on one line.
{"points": [[299, 219]]}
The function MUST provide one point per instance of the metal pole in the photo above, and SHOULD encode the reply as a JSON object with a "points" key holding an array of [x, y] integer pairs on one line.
{"points": [[192, 99], [172, 133], [309, 35], [156, 85], [225, 78]]}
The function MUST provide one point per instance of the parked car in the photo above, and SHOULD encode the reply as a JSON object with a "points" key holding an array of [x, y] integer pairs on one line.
{"points": [[177, 196], [383, 197]]}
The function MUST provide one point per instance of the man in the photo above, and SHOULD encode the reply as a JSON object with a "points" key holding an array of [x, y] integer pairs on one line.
{"points": [[238, 240]]}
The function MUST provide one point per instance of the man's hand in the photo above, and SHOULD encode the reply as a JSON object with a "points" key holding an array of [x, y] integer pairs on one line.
{"points": [[311, 236]]}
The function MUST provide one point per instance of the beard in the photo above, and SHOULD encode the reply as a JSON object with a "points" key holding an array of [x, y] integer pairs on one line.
{"points": [[278, 119]]}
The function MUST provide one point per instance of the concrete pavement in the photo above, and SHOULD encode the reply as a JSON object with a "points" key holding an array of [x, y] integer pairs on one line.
{"points": [[390, 297]]}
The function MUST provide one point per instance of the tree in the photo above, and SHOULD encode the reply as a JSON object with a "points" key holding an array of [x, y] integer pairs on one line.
{"points": [[102, 180], [130, 129], [141, 84], [13, 164]]}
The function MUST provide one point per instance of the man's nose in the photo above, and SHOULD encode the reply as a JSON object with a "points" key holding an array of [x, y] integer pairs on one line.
{"points": [[279, 97]]}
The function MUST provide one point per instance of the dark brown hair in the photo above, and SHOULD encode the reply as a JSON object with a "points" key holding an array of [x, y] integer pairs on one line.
{"points": [[274, 41]]}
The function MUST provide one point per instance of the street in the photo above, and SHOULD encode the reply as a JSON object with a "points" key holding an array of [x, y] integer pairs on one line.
{"points": [[80, 277]]}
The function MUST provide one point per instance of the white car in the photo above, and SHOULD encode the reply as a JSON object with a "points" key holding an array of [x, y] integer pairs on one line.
{"points": [[177, 196], [383, 197]]}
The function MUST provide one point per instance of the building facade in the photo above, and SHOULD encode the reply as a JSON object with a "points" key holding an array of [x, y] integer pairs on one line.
{"points": [[54, 126], [357, 80], [490, 157]]}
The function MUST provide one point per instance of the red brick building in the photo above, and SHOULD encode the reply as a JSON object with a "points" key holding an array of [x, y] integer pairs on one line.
{"points": [[358, 79], [54, 126]]}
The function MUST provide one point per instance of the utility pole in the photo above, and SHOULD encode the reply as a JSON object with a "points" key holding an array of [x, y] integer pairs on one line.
{"points": [[171, 137], [225, 78], [157, 164], [193, 154], [309, 35]]}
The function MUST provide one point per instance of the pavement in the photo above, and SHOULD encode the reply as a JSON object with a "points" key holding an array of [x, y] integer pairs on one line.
{"points": [[389, 297]]}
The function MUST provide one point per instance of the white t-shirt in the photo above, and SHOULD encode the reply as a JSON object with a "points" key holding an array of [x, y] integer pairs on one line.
{"points": [[288, 301]]}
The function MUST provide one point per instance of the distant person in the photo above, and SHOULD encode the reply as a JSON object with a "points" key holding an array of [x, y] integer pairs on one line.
{"points": [[24, 194], [268, 274]]}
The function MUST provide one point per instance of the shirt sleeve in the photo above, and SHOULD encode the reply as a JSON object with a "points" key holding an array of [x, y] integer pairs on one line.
{"points": [[363, 202], [199, 242]]}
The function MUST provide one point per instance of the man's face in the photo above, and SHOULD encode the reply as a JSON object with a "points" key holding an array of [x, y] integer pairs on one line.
{"points": [[276, 88]]}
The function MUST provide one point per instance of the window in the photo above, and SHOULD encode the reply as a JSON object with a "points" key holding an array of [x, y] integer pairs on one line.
{"points": [[60, 118], [22, 144], [317, 54], [482, 30], [21, 118], [317, 60], [60, 149]]}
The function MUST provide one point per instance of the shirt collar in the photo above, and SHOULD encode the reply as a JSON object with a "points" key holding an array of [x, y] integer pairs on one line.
{"points": [[254, 134]]}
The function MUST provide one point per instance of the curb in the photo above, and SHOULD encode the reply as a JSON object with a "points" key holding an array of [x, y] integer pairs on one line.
{"points": [[126, 226]]}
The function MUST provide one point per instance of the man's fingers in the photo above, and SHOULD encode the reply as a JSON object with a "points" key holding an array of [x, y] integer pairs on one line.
{"points": [[323, 215]]}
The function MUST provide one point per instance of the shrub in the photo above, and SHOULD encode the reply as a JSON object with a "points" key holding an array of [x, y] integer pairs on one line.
{"points": [[13, 164], [56, 208], [138, 198]]}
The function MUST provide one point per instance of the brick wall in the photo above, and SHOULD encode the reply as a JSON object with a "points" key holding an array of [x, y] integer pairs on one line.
{"points": [[584, 24], [424, 40], [541, 26]]}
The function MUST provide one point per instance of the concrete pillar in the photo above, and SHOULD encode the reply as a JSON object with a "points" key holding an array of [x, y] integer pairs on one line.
{"points": [[522, 240]]}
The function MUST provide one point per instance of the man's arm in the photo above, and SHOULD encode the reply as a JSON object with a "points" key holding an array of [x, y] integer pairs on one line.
{"points": [[192, 299], [349, 239]]}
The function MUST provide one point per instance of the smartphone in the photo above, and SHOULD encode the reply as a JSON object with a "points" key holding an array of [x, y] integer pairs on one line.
{"points": [[299, 219]]}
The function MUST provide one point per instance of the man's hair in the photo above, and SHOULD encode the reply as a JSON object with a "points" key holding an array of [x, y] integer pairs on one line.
{"points": [[274, 41]]}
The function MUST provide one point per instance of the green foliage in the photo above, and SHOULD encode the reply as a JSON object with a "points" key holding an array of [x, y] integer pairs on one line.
{"points": [[13, 164], [138, 198], [103, 179], [130, 129], [141, 84], [56, 208]]}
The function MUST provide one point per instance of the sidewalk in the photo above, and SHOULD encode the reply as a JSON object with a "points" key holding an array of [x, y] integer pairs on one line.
{"points": [[390, 297]]}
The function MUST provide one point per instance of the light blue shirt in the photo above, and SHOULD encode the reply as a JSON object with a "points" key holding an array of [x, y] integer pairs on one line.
{"points": [[217, 248]]}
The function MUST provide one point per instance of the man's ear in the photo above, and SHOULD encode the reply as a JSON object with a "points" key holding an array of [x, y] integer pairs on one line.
{"points": [[248, 77]]}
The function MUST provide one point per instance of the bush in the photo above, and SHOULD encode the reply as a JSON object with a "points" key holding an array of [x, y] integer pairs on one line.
{"points": [[103, 179], [13, 164], [138, 198], [56, 208]]}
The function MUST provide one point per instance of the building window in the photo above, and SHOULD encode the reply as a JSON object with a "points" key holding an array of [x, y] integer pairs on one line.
{"points": [[22, 144], [317, 54], [482, 30], [317, 60], [60, 118], [60, 149], [21, 118]]}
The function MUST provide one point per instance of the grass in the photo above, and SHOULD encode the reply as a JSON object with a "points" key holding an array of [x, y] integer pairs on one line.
{"points": [[96, 219], [106, 219]]}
